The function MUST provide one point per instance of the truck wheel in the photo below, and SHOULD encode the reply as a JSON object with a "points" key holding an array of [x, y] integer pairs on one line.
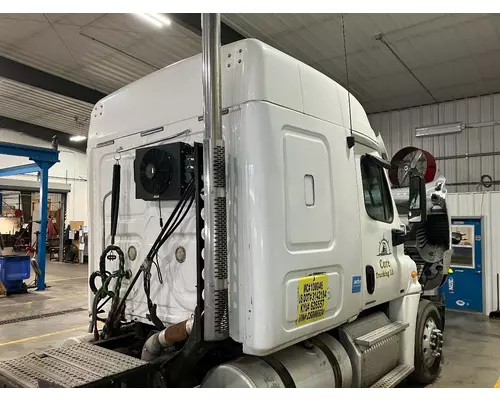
{"points": [[428, 343]]}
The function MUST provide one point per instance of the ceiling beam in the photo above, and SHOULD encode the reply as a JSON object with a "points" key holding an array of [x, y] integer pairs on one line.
{"points": [[193, 23], [41, 132], [23, 73]]}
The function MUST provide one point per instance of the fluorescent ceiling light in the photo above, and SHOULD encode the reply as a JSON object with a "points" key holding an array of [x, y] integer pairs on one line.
{"points": [[78, 138], [155, 19], [439, 129], [160, 18]]}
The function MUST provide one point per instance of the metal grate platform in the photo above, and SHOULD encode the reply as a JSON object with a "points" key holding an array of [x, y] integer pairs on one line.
{"points": [[73, 366], [382, 333], [394, 377]]}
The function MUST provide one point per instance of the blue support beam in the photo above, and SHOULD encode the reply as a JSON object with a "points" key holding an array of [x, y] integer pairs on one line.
{"points": [[21, 169], [34, 153], [43, 158], [42, 238]]}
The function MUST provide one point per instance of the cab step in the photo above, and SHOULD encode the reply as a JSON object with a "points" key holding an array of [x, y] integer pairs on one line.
{"points": [[371, 338], [394, 377], [78, 365]]}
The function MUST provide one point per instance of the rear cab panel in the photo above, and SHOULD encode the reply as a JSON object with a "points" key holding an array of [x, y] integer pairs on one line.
{"points": [[293, 223]]}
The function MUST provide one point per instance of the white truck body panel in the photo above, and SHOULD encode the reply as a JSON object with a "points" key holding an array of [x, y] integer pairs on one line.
{"points": [[295, 197]]}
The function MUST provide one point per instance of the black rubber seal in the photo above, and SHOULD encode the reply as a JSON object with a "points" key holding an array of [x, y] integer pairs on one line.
{"points": [[115, 200], [337, 371], [281, 371]]}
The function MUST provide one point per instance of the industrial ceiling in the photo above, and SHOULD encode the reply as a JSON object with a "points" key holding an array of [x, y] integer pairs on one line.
{"points": [[54, 67]]}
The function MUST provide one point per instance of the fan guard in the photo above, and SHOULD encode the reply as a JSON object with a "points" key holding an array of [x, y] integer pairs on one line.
{"points": [[412, 159], [155, 171]]}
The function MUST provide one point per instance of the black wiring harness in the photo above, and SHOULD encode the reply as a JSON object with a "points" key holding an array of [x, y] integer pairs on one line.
{"points": [[175, 219], [104, 294]]}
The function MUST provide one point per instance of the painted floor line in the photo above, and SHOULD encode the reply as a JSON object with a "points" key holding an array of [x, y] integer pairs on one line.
{"points": [[66, 279], [72, 296], [45, 335], [497, 385]]}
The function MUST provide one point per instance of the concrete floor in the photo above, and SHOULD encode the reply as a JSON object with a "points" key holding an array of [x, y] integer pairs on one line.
{"points": [[471, 349], [67, 289]]}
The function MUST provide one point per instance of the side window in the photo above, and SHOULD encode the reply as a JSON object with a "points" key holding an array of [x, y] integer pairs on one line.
{"points": [[376, 193]]}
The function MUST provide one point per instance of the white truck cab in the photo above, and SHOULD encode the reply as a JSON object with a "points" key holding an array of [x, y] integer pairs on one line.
{"points": [[274, 256], [310, 215]]}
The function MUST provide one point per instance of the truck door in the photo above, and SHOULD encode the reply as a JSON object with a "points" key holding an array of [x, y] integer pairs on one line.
{"points": [[381, 262]]}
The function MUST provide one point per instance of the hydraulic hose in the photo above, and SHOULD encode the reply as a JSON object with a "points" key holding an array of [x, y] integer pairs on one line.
{"points": [[104, 293], [147, 273], [179, 213], [164, 234]]}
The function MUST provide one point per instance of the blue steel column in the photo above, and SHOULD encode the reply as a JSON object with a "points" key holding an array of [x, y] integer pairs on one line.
{"points": [[42, 237]]}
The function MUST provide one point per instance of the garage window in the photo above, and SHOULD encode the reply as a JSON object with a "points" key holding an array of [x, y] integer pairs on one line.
{"points": [[376, 192]]}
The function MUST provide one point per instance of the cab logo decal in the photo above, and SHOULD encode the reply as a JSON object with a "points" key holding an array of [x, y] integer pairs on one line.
{"points": [[386, 269], [383, 247], [312, 298]]}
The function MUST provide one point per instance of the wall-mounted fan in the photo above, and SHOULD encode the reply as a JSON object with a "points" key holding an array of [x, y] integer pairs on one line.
{"points": [[412, 160], [155, 171], [160, 172]]}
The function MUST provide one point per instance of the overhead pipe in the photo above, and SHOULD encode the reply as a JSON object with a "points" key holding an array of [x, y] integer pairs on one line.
{"points": [[216, 324]]}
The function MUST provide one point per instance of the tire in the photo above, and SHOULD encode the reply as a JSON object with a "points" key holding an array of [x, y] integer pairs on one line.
{"points": [[427, 368]]}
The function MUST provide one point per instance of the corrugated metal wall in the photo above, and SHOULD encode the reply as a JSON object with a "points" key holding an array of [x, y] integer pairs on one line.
{"points": [[463, 173], [486, 205]]}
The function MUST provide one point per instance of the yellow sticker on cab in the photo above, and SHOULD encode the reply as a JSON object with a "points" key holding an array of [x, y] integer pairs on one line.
{"points": [[312, 298]]}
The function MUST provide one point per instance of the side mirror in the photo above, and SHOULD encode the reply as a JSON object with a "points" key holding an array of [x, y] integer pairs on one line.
{"points": [[398, 237], [417, 207]]}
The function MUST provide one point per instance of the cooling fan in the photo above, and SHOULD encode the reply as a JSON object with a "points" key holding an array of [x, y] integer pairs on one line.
{"points": [[155, 171], [162, 172], [411, 160]]}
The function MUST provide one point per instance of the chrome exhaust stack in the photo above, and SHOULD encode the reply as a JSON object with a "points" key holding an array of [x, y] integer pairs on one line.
{"points": [[216, 317]]}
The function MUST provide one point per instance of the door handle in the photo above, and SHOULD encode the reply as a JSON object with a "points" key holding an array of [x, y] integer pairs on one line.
{"points": [[478, 272]]}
